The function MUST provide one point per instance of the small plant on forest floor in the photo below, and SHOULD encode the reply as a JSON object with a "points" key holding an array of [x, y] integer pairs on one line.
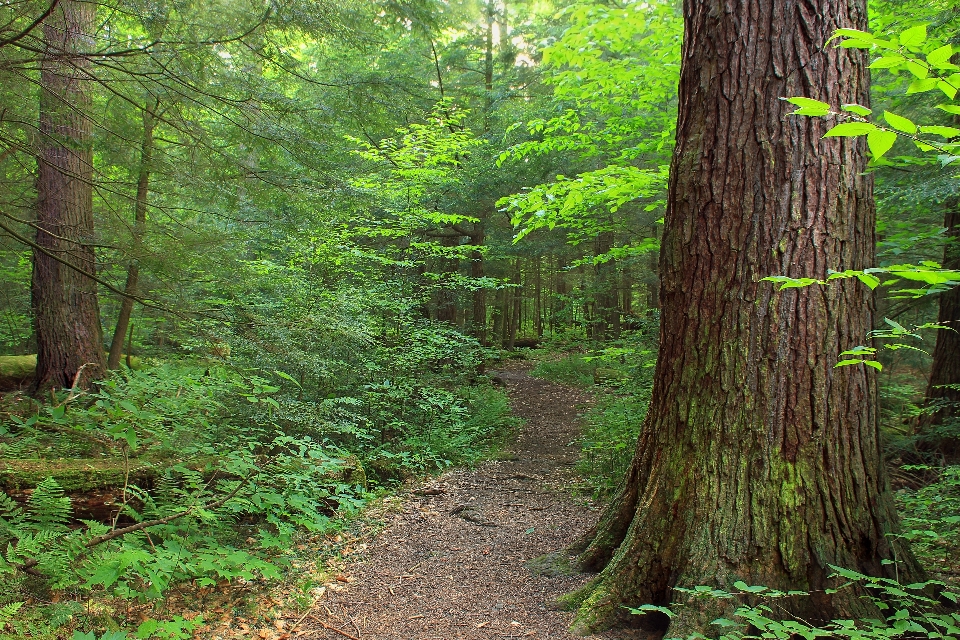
{"points": [[908, 611], [568, 368], [931, 519]]}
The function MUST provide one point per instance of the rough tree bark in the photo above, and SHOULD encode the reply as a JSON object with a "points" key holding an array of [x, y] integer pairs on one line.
{"points": [[64, 299], [607, 298], [139, 227], [946, 354], [758, 461]]}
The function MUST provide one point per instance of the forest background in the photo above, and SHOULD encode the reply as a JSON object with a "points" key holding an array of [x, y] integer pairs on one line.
{"points": [[294, 233]]}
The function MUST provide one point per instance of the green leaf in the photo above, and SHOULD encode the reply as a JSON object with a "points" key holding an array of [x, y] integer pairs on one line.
{"points": [[946, 132], [852, 33], [743, 586], [786, 282], [950, 108], [859, 350], [880, 142], [814, 112], [921, 86], [871, 281], [887, 62], [808, 102], [940, 56], [644, 608], [919, 70], [858, 109], [288, 377], [913, 36], [948, 89], [871, 363], [899, 123], [850, 129]]}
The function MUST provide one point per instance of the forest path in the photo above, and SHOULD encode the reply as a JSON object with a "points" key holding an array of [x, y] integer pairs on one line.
{"points": [[450, 565]]}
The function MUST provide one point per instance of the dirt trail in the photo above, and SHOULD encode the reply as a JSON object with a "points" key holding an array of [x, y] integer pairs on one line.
{"points": [[451, 563]]}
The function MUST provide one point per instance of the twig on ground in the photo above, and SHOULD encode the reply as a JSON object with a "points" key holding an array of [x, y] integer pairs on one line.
{"points": [[332, 628]]}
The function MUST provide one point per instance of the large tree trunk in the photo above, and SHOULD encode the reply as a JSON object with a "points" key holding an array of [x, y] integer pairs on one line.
{"points": [[139, 227], [946, 354], [66, 312], [759, 460]]}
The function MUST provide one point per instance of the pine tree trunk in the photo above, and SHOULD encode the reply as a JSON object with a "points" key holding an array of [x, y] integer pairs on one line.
{"points": [[607, 310], [139, 227], [538, 300], [497, 316], [946, 354], [517, 295], [66, 311], [759, 460]]}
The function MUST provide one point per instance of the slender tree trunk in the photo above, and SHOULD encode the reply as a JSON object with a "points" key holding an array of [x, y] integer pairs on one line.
{"points": [[560, 304], [538, 300], [479, 294], [139, 228], [445, 295], [607, 310], [626, 290], [488, 66], [759, 460], [66, 311], [946, 354], [653, 284], [497, 316], [517, 295]]}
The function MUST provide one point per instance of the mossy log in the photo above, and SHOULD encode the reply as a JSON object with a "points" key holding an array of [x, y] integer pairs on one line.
{"points": [[16, 372], [76, 475]]}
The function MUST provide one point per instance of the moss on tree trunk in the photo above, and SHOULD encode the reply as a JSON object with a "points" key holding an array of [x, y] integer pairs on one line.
{"points": [[759, 460]]}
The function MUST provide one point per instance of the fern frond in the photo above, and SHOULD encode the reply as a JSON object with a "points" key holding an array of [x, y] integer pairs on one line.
{"points": [[12, 518], [7, 612], [34, 544], [48, 508]]}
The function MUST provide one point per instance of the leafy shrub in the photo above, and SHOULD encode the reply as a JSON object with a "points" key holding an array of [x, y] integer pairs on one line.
{"points": [[609, 441], [910, 611], [931, 516]]}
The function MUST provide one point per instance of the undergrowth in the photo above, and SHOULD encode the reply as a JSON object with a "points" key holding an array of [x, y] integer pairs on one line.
{"points": [[622, 372], [906, 611], [212, 476]]}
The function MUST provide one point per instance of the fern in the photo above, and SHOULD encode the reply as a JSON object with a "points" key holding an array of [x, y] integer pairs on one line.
{"points": [[48, 508], [12, 518], [8, 611]]}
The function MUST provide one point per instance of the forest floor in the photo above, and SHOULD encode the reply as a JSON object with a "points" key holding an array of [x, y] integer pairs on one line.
{"points": [[450, 562]]}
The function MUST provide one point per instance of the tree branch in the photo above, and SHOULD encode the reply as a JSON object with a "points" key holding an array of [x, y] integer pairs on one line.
{"points": [[33, 25]]}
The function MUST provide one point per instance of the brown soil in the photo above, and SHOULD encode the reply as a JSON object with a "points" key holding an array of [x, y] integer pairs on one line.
{"points": [[451, 562]]}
